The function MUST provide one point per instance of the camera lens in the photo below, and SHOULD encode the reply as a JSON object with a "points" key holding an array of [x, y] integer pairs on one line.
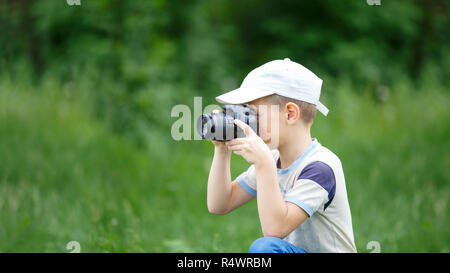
{"points": [[220, 125], [202, 125], [204, 119]]}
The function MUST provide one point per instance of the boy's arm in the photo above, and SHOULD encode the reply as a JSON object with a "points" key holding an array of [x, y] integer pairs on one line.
{"points": [[278, 218], [223, 196]]}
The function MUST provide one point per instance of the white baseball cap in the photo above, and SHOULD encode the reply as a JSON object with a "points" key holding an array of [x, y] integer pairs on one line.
{"points": [[283, 77]]}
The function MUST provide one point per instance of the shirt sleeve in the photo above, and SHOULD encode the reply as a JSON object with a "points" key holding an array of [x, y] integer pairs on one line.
{"points": [[314, 188], [247, 180]]}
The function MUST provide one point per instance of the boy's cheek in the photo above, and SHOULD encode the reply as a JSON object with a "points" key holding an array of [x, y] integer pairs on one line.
{"points": [[272, 143], [270, 139], [264, 134]]}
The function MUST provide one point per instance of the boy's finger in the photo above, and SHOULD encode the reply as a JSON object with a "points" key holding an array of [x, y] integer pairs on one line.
{"points": [[247, 130], [235, 141], [237, 147]]}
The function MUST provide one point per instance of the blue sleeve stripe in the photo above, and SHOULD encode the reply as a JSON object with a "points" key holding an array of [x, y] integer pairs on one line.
{"points": [[245, 186], [322, 174], [300, 204]]}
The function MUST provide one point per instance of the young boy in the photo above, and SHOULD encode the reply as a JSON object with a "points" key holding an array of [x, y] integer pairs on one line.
{"points": [[302, 199]]}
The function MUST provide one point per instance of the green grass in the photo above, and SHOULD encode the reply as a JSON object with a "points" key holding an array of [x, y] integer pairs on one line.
{"points": [[65, 176]]}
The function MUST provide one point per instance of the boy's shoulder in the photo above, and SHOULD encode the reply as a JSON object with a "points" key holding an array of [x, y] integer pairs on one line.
{"points": [[317, 152], [320, 153], [327, 154]]}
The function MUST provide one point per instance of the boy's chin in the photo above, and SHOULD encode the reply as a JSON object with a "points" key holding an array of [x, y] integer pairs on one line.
{"points": [[272, 144]]}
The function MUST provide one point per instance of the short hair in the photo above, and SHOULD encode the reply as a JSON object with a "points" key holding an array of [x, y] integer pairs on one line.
{"points": [[307, 110]]}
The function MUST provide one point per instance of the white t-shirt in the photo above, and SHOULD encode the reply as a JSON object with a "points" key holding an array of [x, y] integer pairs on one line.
{"points": [[315, 182]]}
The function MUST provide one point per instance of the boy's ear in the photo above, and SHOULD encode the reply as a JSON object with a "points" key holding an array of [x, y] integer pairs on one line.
{"points": [[292, 112]]}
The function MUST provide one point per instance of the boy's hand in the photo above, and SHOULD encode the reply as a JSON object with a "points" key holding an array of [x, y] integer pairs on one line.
{"points": [[251, 147]]}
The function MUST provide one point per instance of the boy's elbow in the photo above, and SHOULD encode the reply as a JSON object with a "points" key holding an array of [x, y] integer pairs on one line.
{"points": [[217, 211], [274, 232]]}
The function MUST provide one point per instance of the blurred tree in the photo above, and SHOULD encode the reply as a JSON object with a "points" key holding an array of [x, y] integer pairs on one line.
{"points": [[372, 43], [140, 56]]}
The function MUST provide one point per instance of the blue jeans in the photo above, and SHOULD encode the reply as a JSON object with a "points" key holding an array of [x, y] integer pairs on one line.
{"points": [[274, 245]]}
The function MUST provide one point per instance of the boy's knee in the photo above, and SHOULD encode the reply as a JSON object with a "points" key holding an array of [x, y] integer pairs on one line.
{"points": [[266, 245]]}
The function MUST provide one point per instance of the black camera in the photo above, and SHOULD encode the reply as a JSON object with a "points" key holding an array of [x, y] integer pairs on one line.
{"points": [[220, 126]]}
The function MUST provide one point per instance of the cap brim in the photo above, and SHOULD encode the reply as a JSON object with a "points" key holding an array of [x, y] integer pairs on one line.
{"points": [[322, 108], [242, 95]]}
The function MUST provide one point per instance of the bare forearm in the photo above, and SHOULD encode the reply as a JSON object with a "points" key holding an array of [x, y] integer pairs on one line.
{"points": [[271, 206], [278, 218], [219, 181]]}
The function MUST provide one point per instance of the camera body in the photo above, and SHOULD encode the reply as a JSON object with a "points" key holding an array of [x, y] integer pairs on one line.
{"points": [[220, 126]]}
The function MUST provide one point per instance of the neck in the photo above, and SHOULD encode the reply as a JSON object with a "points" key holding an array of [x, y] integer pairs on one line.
{"points": [[293, 146]]}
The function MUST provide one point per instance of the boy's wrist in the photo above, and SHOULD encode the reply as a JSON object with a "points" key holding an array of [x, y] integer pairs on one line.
{"points": [[221, 149], [266, 169], [265, 162]]}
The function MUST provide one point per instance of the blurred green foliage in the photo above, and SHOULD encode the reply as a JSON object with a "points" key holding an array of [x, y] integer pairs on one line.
{"points": [[141, 56], [86, 93]]}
